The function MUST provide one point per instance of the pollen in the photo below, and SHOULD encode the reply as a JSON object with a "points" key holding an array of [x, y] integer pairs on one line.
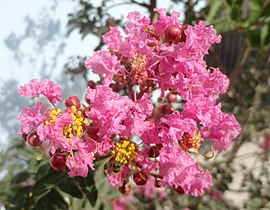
{"points": [[53, 115], [75, 128], [138, 64], [191, 143], [125, 152]]}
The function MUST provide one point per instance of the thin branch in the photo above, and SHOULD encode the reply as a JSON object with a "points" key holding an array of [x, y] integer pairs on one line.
{"points": [[239, 65]]}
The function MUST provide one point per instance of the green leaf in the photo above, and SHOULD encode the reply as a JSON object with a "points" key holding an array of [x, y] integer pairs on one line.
{"points": [[235, 13], [254, 37], [255, 11], [215, 7], [43, 187], [20, 177], [48, 182], [53, 201], [70, 187], [89, 188], [266, 10], [265, 34]]}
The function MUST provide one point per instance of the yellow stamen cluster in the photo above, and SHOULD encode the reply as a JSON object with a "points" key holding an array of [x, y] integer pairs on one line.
{"points": [[75, 128], [53, 114], [125, 152], [191, 143], [138, 64]]}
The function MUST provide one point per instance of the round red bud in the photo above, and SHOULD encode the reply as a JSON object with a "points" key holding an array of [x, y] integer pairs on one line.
{"points": [[91, 84], [179, 190], [58, 161], [167, 109], [125, 188], [153, 151], [140, 178], [73, 101], [116, 87], [173, 33], [24, 136], [171, 97], [33, 139]]}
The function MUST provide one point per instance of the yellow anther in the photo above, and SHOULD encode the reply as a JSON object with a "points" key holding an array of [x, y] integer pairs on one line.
{"points": [[79, 113], [73, 108]]}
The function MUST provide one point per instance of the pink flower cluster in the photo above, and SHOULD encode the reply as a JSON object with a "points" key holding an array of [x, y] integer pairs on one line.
{"points": [[146, 143]]}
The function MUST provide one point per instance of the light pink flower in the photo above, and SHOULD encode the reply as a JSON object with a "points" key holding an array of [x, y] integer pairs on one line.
{"points": [[103, 62], [180, 170], [199, 38], [113, 39], [44, 87], [80, 161], [31, 118]]}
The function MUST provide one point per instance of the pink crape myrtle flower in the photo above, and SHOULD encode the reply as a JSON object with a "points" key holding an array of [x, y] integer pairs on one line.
{"points": [[218, 126], [116, 115], [113, 39], [180, 170], [103, 62], [31, 117], [144, 143], [44, 87]]}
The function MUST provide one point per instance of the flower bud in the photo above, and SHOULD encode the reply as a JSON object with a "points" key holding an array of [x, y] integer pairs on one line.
{"points": [[153, 151], [116, 87], [179, 190], [183, 35], [58, 161], [91, 84], [173, 33], [171, 97], [125, 188], [73, 101], [140, 178], [33, 139], [167, 109]]}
